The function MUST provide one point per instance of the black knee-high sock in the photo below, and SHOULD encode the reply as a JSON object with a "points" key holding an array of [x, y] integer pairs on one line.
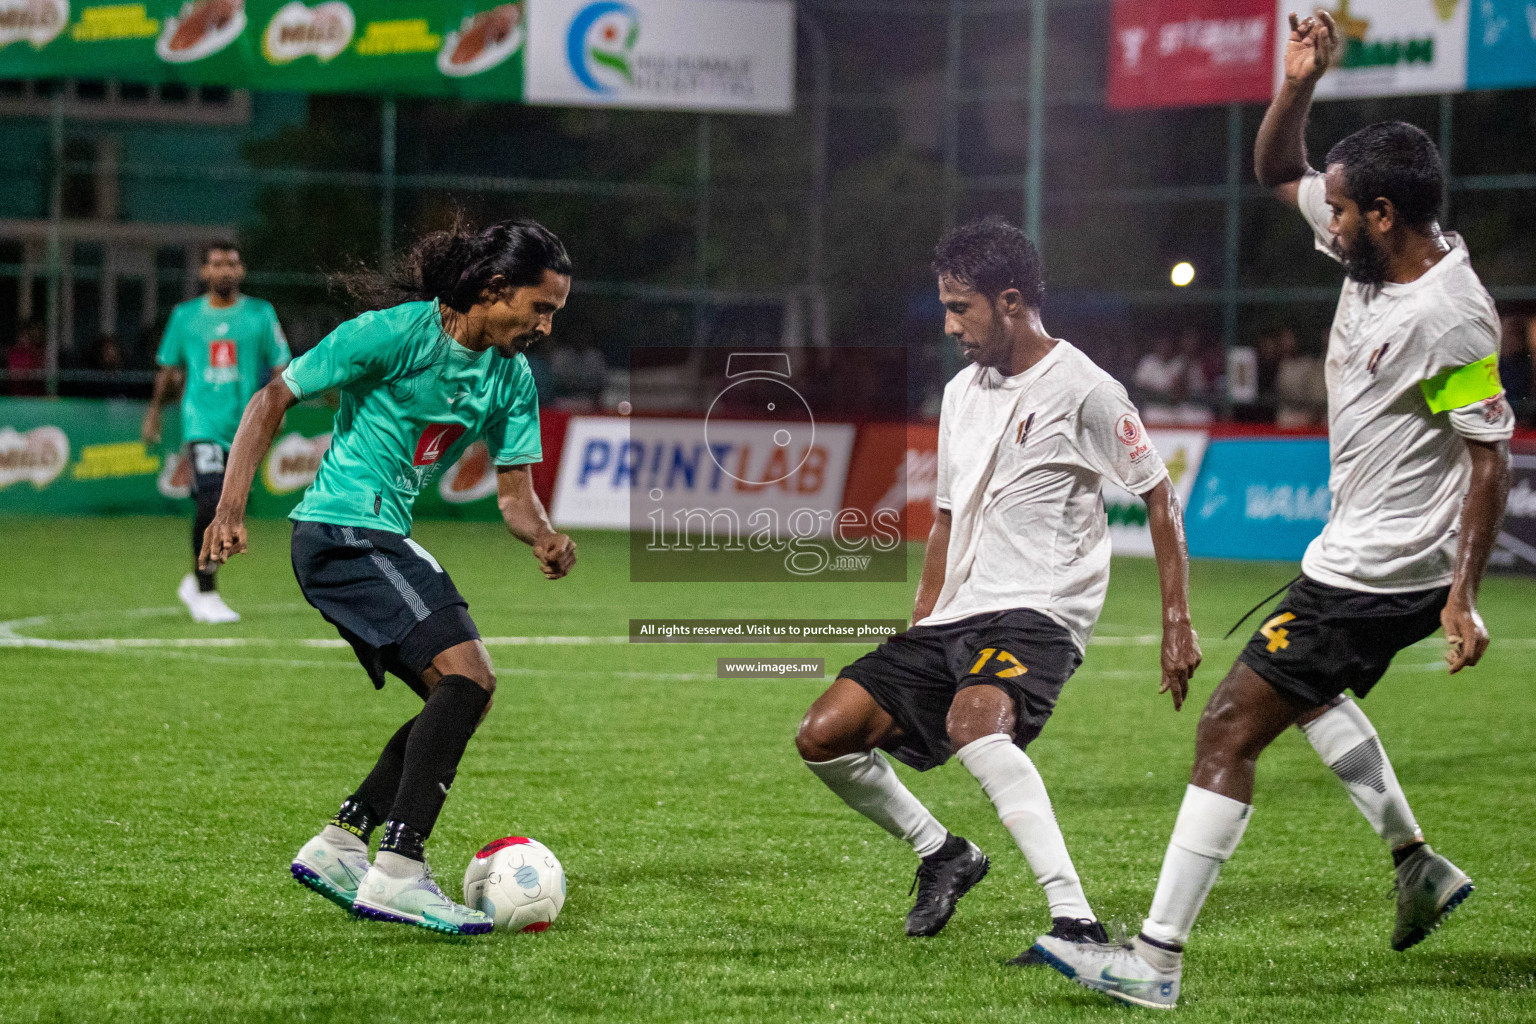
{"points": [[366, 807], [207, 504], [432, 752]]}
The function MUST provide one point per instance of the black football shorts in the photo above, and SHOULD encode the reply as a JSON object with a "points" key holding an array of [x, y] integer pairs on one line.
{"points": [[385, 595], [915, 675], [1322, 640]]}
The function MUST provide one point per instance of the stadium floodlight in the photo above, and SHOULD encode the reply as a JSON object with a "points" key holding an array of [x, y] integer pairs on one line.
{"points": [[1182, 274]]}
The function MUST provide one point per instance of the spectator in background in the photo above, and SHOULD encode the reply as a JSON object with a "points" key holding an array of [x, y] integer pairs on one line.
{"points": [[1197, 383], [107, 361], [25, 360], [580, 371], [543, 376], [1171, 383], [1516, 355], [1301, 386], [1162, 381]]}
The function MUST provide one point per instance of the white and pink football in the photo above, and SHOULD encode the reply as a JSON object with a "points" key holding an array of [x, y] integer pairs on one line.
{"points": [[517, 882]]}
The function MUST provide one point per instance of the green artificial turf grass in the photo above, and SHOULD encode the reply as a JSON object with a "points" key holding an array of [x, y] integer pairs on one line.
{"points": [[150, 800]]}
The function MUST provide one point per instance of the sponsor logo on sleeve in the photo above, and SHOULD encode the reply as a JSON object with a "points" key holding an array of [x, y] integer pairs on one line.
{"points": [[1130, 434], [37, 456]]}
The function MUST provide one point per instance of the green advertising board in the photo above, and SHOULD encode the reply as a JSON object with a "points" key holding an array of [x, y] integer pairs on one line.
{"points": [[466, 48], [84, 457]]}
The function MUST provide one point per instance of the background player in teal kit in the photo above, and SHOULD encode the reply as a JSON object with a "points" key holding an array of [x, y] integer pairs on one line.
{"points": [[216, 349], [441, 365]]}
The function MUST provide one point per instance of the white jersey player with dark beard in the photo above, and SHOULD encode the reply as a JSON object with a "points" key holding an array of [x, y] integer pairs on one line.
{"points": [[1014, 577], [1418, 429]]}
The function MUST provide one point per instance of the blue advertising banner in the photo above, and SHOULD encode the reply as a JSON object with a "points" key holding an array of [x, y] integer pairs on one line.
{"points": [[1501, 48], [1259, 498]]}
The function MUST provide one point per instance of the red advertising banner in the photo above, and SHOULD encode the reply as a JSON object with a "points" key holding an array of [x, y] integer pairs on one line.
{"points": [[1179, 53], [896, 466]]}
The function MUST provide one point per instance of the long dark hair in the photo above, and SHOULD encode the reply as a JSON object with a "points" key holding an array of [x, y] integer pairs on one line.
{"points": [[456, 266]]}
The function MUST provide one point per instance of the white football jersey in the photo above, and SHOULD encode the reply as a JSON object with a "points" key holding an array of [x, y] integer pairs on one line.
{"points": [[1021, 461], [1399, 471]]}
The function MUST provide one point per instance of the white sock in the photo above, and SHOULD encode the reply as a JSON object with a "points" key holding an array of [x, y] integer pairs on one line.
{"points": [[341, 839], [1206, 833], [1346, 741], [869, 785], [396, 866], [1009, 778]]}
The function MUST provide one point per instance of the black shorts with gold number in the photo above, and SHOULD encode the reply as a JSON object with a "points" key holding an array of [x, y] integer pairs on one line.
{"points": [[915, 675], [1322, 640]]}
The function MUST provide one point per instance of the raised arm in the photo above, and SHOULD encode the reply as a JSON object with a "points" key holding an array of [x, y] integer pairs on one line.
{"points": [[526, 520], [259, 424], [1181, 647], [933, 566], [1280, 153], [1481, 515], [169, 381]]}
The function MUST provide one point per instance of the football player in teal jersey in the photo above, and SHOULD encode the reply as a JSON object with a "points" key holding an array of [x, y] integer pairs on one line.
{"points": [[439, 365], [216, 350]]}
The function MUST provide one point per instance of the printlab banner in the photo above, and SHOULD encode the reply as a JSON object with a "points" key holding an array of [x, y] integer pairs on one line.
{"points": [[729, 55], [1167, 53]]}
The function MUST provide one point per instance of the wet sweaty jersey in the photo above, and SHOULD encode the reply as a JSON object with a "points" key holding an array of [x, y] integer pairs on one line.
{"points": [[1412, 370], [412, 400], [224, 352], [1022, 461]]}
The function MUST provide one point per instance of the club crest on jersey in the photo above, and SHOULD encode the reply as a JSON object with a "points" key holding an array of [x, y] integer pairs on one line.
{"points": [[1022, 434], [435, 441], [1374, 363]]}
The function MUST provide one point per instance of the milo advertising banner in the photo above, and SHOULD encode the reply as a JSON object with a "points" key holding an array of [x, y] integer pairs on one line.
{"points": [[84, 457], [469, 48]]}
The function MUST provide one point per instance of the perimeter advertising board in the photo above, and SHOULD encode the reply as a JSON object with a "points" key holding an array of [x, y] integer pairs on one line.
{"points": [[1167, 53], [1172, 53], [1259, 498], [419, 47], [663, 54], [1516, 551], [1390, 47], [728, 55], [84, 457]]}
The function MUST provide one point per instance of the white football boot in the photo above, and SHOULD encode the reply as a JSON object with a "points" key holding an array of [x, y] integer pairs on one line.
{"points": [[1119, 971], [412, 897], [215, 610], [189, 595], [332, 864]]}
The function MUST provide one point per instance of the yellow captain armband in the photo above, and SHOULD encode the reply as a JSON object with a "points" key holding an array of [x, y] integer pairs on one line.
{"points": [[1463, 385]]}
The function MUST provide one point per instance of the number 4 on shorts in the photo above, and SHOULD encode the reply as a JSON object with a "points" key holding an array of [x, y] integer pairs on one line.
{"points": [[1276, 636]]}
